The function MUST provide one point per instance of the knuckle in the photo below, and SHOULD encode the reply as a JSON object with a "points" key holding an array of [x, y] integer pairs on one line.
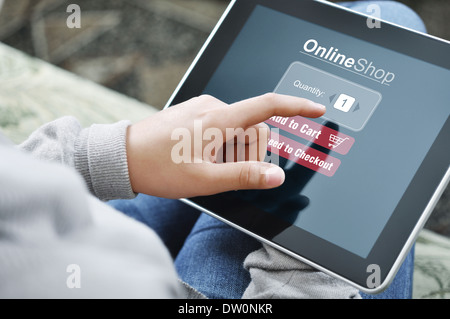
{"points": [[249, 176], [208, 108], [245, 176], [208, 116], [270, 97], [206, 98]]}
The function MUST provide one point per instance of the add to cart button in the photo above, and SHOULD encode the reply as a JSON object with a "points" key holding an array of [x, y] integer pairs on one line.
{"points": [[314, 132], [303, 155]]}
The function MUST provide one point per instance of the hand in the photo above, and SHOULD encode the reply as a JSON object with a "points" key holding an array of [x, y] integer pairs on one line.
{"points": [[167, 159]]}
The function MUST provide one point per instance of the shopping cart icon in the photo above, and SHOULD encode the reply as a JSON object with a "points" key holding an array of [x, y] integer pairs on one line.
{"points": [[335, 141]]}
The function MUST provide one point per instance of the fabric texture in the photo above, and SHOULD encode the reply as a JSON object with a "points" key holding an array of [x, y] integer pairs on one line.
{"points": [[209, 256], [49, 222], [100, 157], [293, 279]]}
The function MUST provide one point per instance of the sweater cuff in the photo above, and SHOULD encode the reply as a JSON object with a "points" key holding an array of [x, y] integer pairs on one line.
{"points": [[101, 158]]}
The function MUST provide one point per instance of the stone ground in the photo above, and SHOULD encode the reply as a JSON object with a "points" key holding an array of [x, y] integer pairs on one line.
{"points": [[142, 48]]}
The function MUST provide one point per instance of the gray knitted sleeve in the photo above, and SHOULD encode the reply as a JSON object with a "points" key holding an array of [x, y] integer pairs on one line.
{"points": [[101, 158], [98, 153]]}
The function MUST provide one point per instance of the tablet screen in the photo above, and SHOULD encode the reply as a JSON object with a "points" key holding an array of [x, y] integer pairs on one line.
{"points": [[347, 171], [362, 159]]}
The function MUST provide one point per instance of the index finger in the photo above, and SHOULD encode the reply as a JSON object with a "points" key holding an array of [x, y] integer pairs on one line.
{"points": [[258, 109]]}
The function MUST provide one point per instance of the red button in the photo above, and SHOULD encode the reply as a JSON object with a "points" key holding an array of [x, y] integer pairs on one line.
{"points": [[314, 132], [303, 155]]}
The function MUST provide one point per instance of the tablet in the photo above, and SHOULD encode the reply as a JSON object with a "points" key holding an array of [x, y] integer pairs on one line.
{"points": [[361, 180]]}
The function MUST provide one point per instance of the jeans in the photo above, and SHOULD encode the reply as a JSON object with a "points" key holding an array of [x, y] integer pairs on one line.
{"points": [[208, 254]]}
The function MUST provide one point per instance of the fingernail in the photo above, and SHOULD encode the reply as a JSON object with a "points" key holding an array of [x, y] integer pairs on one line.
{"points": [[320, 106], [274, 176]]}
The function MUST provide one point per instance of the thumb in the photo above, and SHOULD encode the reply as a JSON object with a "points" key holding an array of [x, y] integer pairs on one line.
{"points": [[245, 175]]}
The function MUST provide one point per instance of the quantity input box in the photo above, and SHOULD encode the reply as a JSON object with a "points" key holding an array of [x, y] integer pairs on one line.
{"points": [[348, 104]]}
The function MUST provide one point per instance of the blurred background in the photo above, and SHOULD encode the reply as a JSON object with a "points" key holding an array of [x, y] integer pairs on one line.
{"points": [[138, 47], [142, 48]]}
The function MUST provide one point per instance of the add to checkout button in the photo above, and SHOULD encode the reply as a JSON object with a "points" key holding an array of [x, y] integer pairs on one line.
{"points": [[314, 132], [303, 155]]}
